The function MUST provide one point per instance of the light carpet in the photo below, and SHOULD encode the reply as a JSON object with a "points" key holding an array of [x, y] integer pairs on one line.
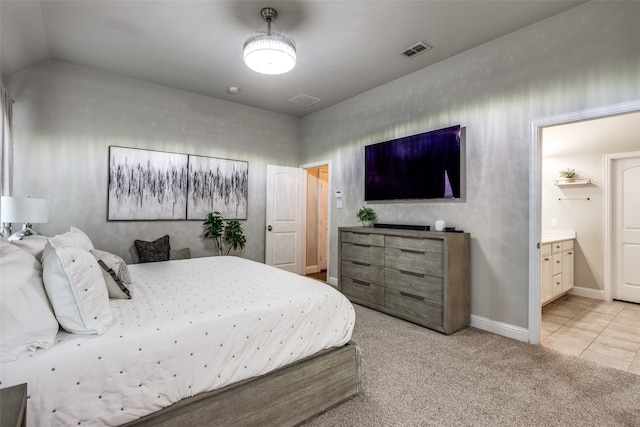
{"points": [[412, 376]]}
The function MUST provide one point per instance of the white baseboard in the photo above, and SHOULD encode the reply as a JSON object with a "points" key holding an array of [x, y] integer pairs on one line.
{"points": [[333, 281], [588, 293], [519, 333], [310, 269], [499, 328]]}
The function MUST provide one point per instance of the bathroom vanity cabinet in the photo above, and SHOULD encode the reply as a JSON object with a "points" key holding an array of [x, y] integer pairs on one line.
{"points": [[556, 269]]}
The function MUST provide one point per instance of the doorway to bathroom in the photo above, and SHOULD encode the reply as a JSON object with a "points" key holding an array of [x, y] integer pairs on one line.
{"points": [[580, 208]]}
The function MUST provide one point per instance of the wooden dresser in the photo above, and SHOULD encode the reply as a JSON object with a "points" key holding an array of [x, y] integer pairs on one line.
{"points": [[419, 276], [13, 406]]}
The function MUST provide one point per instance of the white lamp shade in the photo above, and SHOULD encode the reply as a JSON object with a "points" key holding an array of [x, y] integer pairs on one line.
{"points": [[270, 53], [25, 210]]}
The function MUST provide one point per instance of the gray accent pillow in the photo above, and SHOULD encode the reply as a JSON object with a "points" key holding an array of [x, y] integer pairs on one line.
{"points": [[116, 274], [179, 254], [155, 251]]}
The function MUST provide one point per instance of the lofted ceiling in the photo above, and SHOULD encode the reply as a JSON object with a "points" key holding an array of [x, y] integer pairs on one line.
{"points": [[344, 47]]}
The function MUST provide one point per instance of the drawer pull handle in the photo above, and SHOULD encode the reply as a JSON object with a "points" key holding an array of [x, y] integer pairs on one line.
{"points": [[546, 259], [569, 253], [361, 245], [361, 282], [406, 294], [361, 263], [411, 273], [558, 262], [412, 251]]}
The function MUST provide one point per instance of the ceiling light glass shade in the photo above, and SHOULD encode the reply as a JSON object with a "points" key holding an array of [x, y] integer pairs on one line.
{"points": [[270, 53]]}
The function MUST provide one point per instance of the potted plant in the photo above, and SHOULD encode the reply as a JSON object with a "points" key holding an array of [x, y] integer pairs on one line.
{"points": [[230, 234], [234, 236], [214, 228], [568, 174], [366, 215]]}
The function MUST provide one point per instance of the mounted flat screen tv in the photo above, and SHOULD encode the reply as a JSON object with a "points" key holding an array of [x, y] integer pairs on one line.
{"points": [[423, 166]]}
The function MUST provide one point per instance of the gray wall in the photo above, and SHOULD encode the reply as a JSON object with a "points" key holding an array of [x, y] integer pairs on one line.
{"points": [[583, 58], [66, 117]]}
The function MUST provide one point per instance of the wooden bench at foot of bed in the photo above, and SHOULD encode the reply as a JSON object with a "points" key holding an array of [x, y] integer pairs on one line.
{"points": [[286, 397]]}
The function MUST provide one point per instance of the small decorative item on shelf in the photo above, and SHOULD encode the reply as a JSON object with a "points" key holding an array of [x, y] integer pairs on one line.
{"points": [[568, 174], [366, 215]]}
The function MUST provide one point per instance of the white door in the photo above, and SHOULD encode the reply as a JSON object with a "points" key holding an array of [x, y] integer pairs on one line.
{"points": [[283, 242], [323, 215], [626, 229]]}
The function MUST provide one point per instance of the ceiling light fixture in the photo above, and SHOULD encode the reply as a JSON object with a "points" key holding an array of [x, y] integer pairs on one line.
{"points": [[270, 53]]}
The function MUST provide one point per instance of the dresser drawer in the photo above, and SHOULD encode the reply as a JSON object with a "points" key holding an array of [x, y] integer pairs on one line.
{"points": [[567, 244], [415, 244], [556, 247], [362, 290], [545, 249], [556, 266], [556, 284], [363, 238], [367, 254], [429, 287], [414, 307], [363, 271], [414, 261]]}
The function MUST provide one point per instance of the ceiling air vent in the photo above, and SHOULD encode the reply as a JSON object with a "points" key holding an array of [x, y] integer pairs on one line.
{"points": [[304, 100], [415, 49]]}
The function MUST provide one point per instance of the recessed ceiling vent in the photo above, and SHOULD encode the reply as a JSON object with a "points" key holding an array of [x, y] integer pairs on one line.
{"points": [[415, 49], [304, 100]]}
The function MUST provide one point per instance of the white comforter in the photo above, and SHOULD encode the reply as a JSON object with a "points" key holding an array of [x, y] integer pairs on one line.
{"points": [[192, 326]]}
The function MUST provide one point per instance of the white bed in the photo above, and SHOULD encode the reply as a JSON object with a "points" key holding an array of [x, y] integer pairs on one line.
{"points": [[192, 326]]}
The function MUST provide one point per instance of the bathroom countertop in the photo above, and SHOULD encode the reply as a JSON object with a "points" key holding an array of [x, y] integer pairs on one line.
{"points": [[552, 239], [550, 236]]}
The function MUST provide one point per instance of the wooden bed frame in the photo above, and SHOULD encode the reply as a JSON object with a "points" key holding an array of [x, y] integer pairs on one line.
{"points": [[286, 397]]}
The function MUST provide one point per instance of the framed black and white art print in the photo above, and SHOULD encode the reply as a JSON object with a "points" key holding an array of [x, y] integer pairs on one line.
{"points": [[220, 185], [146, 185]]}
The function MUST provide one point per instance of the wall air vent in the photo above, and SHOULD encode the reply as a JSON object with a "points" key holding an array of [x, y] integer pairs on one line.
{"points": [[304, 100], [415, 49]]}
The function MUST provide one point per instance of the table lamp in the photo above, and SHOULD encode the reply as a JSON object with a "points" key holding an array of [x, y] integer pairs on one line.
{"points": [[25, 210]]}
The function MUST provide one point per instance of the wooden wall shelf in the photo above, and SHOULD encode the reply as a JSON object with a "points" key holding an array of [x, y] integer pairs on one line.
{"points": [[563, 182]]}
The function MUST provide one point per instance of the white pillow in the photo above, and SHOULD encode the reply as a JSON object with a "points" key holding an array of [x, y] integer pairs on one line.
{"points": [[116, 274], [77, 291], [74, 237], [32, 244], [26, 319]]}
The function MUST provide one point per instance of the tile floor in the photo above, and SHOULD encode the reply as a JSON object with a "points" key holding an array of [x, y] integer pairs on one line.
{"points": [[604, 332]]}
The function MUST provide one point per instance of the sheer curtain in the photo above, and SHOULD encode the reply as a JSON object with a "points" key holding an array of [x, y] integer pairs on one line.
{"points": [[6, 161]]}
